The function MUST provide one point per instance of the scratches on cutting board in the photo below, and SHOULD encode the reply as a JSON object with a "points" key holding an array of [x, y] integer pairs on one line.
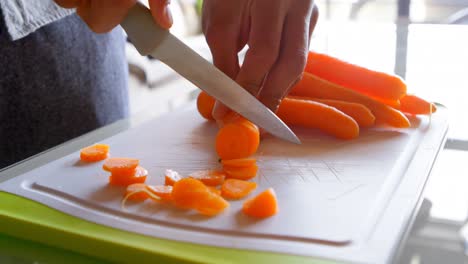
{"points": [[347, 192]]}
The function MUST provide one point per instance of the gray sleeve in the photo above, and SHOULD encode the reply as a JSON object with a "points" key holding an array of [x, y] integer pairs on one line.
{"points": [[23, 17]]}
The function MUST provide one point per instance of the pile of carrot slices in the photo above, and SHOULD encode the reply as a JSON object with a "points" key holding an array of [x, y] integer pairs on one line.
{"points": [[206, 191]]}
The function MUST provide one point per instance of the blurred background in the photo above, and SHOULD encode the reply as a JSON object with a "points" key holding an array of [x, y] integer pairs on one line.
{"points": [[419, 40]]}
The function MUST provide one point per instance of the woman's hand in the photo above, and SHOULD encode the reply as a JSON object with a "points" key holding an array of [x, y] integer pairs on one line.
{"points": [[278, 34], [103, 15]]}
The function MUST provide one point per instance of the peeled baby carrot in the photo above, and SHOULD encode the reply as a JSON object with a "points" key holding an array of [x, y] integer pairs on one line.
{"points": [[139, 176], [239, 162], [94, 153], [164, 192], [237, 139], [373, 83], [261, 206], [241, 173], [361, 114], [317, 115], [237, 189], [205, 104], [211, 204], [209, 177], [187, 192], [313, 86], [122, 166], [136, 192], [412, 104], [171, 177]]}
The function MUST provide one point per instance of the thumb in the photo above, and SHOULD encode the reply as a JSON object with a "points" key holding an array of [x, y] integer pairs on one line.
{"points": [[161, 12]]}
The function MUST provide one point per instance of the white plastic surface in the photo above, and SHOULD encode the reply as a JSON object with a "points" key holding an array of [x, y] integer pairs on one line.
{"points": [[332, 193]]}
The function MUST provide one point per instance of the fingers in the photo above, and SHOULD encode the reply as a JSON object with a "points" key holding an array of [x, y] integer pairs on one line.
{"points": [[102, 16], [313, 21], [292, 56], [161, 12], [68, 3], [264, 43]]}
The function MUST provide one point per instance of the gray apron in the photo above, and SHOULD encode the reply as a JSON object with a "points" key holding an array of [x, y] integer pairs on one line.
{"points": [[58, 83]]}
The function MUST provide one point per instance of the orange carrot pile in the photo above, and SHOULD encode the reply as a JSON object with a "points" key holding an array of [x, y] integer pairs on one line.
{"points": [[366, 81]]}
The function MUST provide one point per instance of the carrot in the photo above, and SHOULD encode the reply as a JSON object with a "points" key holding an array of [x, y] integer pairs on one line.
{"points": [[123, 166], [162, 191], [239, 162], [313, 86], [209, 177], [211, 204], [238, 139], [139, 176], [171, 177], [94, 153], [361, 114], [373, 83], [136, 192], [214, 190], [187, 192], [261, 206], [412, 104], [205, 104], [237, 189], [317, 115], [241, 173]]}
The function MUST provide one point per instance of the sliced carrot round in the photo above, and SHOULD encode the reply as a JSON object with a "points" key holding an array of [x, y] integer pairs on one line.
{"points": [[237, 189], [209, 177], [137, 191], [126, 181], [211, 204], [238, 139], [263, 205], [121, 166], [94, 153], [162, 191], [205, 105], [214, 190], [187, 192], [171, 177], [247, 162], [241, 173]]}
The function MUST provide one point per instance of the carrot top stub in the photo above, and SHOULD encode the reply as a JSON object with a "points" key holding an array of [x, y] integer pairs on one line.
{"points": [[94, 153]]}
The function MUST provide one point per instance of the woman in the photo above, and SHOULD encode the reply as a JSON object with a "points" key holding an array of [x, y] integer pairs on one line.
{"points": [[59, 79]]}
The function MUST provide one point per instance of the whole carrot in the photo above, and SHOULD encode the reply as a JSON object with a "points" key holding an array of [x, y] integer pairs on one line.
{"points": [[373, 83], [313, 86], [317, 115], [412, 104], [358, 112]]}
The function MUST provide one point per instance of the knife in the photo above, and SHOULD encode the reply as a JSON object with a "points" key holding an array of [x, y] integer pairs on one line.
{"points": [[150, 39]]}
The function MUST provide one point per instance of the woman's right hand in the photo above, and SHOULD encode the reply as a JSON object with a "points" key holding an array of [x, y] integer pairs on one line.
{"points": [[103, 15]]}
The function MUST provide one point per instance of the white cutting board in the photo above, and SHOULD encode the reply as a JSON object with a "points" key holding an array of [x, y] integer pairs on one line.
{"points": [[331, 192]]}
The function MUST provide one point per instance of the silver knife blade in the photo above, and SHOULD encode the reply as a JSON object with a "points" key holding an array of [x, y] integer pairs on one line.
{"points": [[150, 39]]}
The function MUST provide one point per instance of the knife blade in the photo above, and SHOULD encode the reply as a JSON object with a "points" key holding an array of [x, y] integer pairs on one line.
{"points": [[150, 39]]}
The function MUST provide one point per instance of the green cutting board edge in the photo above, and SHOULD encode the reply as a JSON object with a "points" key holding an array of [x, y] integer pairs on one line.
{"points": [[30, 220]]}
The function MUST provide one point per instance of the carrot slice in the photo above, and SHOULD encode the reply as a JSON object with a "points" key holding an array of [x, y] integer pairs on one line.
{"points": [[205, 104], [317, 115], [363, 80], [136, 192], [126, 181], [187, 192], [121, 166], [360, 113], [412, 104], [241, 173], [313, 86], [247, 162], [214, 190], [171, 177], [209, 177], [211, 204], [238, 139], [162, 191], [94, 153], [237, 189], [261, 206]]}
